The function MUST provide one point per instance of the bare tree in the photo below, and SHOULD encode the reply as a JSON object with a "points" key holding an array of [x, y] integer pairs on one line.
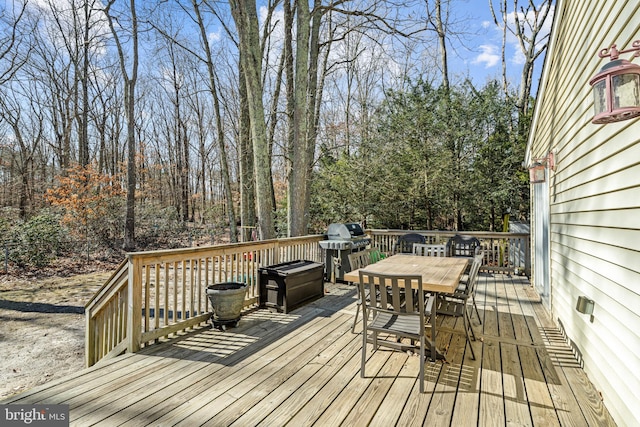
{"points": [[246, 19], [16, 109], [247, 171], [502, 24], [529, 23], [88, 8], [73, 20], [12, 37], [130, 79], [213, 87], [437, 22]]}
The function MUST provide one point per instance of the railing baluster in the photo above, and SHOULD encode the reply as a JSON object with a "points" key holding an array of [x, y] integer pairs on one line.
{"points": [[119, 317], [165, 303], [156, 294]]}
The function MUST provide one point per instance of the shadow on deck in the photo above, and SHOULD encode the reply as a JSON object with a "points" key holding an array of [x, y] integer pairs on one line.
{"points": [[303, 368]]}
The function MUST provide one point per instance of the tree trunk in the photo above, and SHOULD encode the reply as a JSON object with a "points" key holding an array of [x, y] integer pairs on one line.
{"points": [[503, 27], [224, 167], [442, 42], [299, 172], [437, 24], [530, 45], [246, 20], [129, 101], [247, 193]]}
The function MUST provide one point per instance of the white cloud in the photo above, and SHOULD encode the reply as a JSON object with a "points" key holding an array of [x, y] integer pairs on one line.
{"points": [[215, 36], [488, 57], [529, 21], [486, 24], [518, 57]]}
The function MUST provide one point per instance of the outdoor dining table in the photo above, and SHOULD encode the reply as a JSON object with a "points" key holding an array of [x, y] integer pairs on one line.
{"points": [[439, 275]]}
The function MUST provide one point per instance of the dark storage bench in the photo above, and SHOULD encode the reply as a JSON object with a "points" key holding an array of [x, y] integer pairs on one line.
{"points": [[286, 286]]}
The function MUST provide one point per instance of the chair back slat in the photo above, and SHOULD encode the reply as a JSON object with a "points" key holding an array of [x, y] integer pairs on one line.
{"points": [[392, 292], [472, 279], [429, 250], [359, 259]]}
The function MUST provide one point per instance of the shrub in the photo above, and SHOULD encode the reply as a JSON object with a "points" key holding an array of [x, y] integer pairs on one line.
{"points": [[38, 240]]}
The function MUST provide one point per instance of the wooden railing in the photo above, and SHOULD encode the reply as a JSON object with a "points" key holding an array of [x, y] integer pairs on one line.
{"points": [[509, 252], [155, 294]]}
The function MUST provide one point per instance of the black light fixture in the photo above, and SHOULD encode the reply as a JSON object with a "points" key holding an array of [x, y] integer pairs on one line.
{"points": [[616, 87]]}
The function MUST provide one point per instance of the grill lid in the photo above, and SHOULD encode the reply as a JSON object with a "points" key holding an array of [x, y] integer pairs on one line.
{"points": [[346, 231]]}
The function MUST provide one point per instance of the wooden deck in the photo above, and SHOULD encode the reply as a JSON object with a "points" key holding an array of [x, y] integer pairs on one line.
{"points": [[303, 369]]}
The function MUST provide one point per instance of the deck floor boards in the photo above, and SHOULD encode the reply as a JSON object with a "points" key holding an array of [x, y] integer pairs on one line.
{"points": [[303, 368]]}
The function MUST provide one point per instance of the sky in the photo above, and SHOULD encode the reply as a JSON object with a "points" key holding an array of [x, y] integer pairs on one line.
{"points": [[478, 55]]}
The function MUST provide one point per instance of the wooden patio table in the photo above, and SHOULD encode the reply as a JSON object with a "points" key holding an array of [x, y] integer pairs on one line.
{"points": [[439, 275]]}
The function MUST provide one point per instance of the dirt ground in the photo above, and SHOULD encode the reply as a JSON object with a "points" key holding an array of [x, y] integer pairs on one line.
{"points": [[42, 327]]}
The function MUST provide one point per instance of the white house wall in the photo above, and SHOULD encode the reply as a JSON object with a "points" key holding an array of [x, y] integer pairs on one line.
{"points": [[594, 200]]}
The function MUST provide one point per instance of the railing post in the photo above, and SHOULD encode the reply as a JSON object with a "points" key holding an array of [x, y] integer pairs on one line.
{"points": [[89, 340], [527, 259], [134, 306]]}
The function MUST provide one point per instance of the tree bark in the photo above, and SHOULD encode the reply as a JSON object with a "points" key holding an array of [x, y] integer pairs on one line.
{"points": [[529, 45], [299, 172], [224, 167], [129, 101], [438, 25], [246, 20], [247, 181]]}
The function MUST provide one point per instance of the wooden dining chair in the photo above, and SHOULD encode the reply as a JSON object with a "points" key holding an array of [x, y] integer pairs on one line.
{"points": [[358, 260], [478, 259], [457, 303], [429, 250], [396, 311]]}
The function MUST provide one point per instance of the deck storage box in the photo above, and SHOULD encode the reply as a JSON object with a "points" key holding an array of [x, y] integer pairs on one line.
{"points": [[286, 286]]}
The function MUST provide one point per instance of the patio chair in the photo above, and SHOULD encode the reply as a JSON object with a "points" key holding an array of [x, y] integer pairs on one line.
{"points": [[358, 260], [457, 304], [429, 250], [398, 310], [464, 283], [406, 241], [463, 246]]}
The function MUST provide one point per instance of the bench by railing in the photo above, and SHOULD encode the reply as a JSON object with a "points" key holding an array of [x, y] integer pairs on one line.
{"points": [[158, 293], [502, 251]]}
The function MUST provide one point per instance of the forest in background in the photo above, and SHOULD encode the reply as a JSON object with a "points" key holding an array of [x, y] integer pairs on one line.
{"points": [[141, 124]]}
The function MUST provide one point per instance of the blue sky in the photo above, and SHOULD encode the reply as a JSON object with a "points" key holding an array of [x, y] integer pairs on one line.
{"points": [[479, 53]]}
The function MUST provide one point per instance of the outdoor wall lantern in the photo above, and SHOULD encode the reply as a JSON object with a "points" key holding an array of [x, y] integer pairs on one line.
{"points": [[537, 169], [585, 306], [616, 87]]}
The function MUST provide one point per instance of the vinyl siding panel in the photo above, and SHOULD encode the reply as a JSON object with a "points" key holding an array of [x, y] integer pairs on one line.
{"points": [[594, 199]]}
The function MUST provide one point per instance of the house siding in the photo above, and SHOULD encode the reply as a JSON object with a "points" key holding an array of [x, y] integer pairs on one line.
{"points": [[594, 200]]}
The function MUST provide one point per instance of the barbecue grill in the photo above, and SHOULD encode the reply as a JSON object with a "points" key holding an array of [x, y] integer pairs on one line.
{"points": [[342, 240]]}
